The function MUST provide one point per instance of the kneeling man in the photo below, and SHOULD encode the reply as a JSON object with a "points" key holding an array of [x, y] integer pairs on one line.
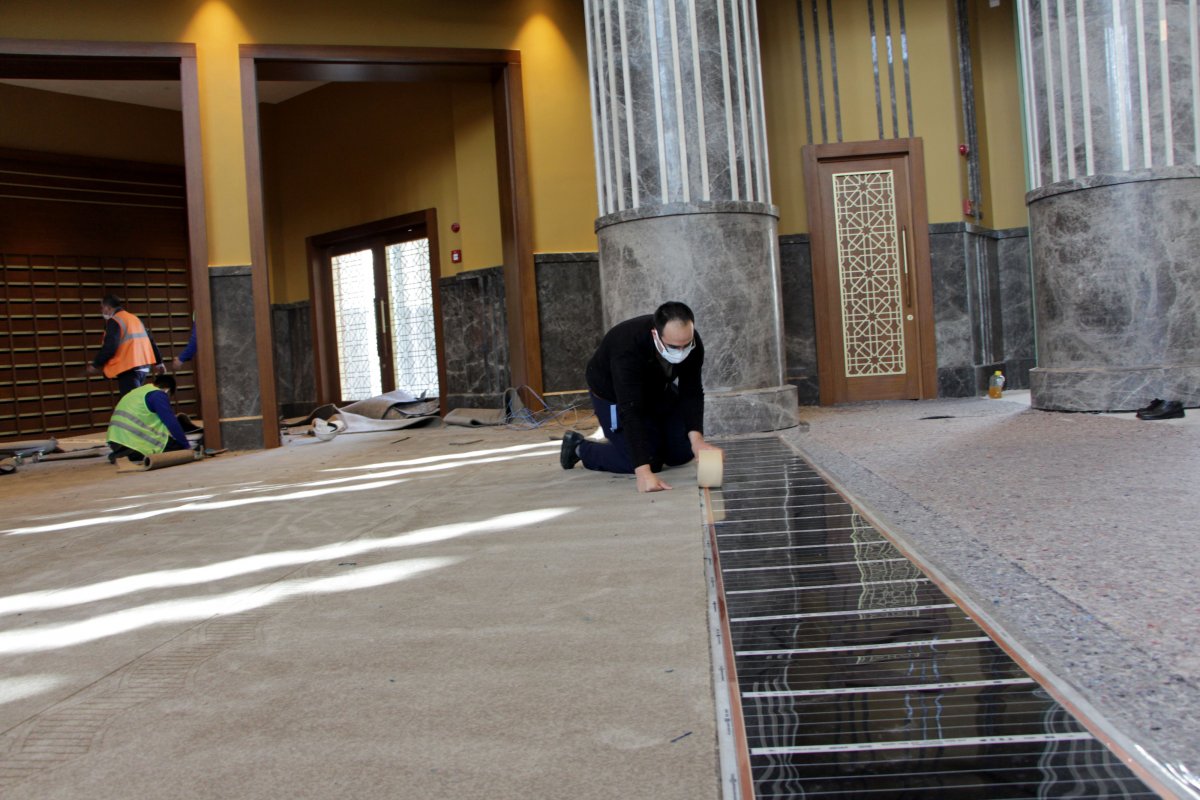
{"points": [[644, 381], [143, 422]]}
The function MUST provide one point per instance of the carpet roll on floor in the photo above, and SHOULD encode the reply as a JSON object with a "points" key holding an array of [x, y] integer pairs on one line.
{"points": [[158, 461]]}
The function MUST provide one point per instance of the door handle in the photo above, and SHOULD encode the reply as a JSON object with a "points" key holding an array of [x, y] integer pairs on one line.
{"points": [[908, 302], [383, 315]]}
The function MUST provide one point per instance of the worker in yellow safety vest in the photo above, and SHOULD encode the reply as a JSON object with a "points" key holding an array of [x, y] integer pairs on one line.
{"points": [[128, 352], [143, 423]]}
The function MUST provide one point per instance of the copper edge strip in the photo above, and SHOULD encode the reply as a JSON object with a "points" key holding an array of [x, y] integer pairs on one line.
{"points": [[740, 744]]}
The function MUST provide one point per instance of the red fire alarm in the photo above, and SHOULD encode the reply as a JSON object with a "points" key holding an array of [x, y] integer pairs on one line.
{"points": [[456, 256], [454, 227]]}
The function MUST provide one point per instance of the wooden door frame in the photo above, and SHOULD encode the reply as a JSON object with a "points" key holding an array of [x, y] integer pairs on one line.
{"points": [[815, 154], [321, 291], [81, 60], [338, 63]]}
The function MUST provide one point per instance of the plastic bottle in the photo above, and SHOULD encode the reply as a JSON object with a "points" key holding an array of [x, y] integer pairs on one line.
{"points": [[996, 385]]}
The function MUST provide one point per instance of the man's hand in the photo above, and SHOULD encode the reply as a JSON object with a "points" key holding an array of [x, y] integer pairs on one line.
{"points": [[698, 443], [92, 370], [176, 364], [159, 369], [647, 481]]}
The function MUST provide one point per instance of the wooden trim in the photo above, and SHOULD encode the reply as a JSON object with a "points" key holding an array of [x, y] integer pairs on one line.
{"points": [[61, 49], [912, 149], [520, 283], [259, 279], [435, 284], [206, 364], [371, 54], [921, 255]]}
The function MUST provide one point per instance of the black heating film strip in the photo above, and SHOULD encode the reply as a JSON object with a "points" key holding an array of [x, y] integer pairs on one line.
{"points": [[859, 677]]}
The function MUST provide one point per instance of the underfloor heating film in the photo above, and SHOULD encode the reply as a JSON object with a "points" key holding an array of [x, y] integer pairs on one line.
{"points": [[858, 677]]}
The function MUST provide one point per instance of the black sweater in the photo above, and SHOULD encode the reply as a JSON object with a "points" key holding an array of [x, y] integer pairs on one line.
{"points": [[627, 370]]}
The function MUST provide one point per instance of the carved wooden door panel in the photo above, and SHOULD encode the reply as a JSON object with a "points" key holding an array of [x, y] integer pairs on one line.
{"points": [[871, 281]]}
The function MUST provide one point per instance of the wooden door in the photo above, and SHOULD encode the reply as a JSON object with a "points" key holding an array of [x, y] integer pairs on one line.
{"points": [[871, 278]]}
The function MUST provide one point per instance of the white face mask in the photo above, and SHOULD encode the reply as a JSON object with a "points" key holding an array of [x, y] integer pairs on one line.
{"points": [[106, 314], [672, 355]]}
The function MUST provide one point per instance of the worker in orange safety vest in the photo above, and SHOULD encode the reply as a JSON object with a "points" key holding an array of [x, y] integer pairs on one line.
{"points": [[128, 352]]}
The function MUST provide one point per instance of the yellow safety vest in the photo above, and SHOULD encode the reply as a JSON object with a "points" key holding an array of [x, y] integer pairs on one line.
{"points": [[134, 425]]}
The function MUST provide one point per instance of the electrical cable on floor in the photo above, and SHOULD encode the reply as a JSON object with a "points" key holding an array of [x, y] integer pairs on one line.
{"points": [[524, 418]]}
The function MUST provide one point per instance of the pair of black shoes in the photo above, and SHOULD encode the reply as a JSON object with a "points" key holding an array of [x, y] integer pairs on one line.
{"points": [[1161, 409], [569, 455]]}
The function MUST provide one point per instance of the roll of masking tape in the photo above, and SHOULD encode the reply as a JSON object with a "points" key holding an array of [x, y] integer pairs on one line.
{"points": [[711, 469]]}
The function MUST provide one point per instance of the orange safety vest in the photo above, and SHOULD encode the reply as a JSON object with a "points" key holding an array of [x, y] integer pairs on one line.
{"points": [[133, 348]]}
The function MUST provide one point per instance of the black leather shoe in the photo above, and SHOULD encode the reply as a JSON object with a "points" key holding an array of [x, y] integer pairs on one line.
{"points": [[1154, 406], [567, 456], [1171, 409]]}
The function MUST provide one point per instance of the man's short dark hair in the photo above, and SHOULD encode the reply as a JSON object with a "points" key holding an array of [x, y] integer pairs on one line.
{"points": [[672, 311], [165, 382], [112, 301]]}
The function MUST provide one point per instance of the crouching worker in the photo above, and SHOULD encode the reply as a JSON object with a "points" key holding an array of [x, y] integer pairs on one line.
{"points": [[644, 382], [143, 422]]}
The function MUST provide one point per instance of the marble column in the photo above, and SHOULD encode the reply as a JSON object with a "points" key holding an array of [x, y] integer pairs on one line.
{"points": [[684, 191], [236, 358], [1112, 130]]}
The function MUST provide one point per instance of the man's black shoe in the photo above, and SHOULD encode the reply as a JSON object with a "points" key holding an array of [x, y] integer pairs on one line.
{"points": [[567, 456], [1171, 409], [1154, 406]]}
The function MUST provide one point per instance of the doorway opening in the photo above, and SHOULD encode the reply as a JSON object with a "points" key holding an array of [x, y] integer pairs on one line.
{"points": [[377, 309], [499, 73], [80, 221]]}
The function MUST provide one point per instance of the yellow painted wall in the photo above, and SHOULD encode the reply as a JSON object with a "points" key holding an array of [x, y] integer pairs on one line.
{"points": [[1000, 134], [937, 116], [549, 34], [478, 184], [50, 122]]}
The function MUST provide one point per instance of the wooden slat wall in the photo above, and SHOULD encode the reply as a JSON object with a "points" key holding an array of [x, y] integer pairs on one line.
{"points": [[131, 221]]}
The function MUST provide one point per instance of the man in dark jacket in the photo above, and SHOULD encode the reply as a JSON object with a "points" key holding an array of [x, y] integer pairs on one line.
{"points": [[644, 381]]}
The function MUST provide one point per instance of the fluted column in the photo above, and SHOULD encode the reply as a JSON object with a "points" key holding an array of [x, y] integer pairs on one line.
{"points": [[1112, 127], [684, 190]]}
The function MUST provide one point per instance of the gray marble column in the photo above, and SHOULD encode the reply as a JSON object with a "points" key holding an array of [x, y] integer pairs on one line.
{"points": [[238, 395], [1112, 127], [684, 191]]}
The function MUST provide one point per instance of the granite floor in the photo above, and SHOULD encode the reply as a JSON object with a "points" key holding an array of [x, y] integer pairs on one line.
{"points": [[1076, 534]]}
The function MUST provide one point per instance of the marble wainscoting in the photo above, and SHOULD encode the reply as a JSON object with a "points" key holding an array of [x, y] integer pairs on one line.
{"points": [[1117, 287], [238, 396], [570, 318], [981, 306], [722, 259], [295, 382], [475, 337], [799, 324]]}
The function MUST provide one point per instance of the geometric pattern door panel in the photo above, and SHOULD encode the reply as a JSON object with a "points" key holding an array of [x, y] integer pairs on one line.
{"points": [[355, 325], [410, 294], [869, 273]]}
